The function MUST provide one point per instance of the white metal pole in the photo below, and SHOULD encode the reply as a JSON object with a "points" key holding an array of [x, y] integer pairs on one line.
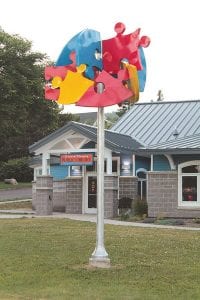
{"points": [[100, 256]]}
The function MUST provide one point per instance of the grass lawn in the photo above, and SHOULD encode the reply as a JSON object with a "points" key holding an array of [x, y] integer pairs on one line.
{"points": [[6, 186], [48, 259], [16, 205]]}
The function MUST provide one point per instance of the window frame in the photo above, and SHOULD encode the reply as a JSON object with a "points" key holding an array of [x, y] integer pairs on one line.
{"points": [[182, 203]]}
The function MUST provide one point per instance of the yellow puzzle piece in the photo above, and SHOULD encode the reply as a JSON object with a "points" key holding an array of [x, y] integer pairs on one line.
{"points": [[134, 81], [73, 86]]}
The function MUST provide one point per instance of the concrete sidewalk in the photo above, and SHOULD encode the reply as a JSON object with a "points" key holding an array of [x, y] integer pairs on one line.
{"points": [[17, 214], [93, 218]]}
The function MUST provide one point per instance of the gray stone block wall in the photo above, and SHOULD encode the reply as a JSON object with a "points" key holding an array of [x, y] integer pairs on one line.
{"points": [[44, 195], [74, 190], [110, 196], [162, 196], [59, 195], [128, 187]]}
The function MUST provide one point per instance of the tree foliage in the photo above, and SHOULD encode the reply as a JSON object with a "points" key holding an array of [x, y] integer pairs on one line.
{"points": [[124, 108], [110, 119], [25, 116], [16, 168], [160, 95]]}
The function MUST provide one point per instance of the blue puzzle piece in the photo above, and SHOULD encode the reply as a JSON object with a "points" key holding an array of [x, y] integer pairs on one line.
{"points": [[142, 73], [85, 44]]}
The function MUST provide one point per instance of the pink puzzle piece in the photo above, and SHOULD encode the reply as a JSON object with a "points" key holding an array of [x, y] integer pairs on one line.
{"points": [[114, 92], [123, 47], [61, 71], [53, 71]]}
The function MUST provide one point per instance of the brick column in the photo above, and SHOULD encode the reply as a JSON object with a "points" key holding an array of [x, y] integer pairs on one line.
{"points": [[44, 195], [128, 187], [74, 191], [110, 196], [162, 193]]}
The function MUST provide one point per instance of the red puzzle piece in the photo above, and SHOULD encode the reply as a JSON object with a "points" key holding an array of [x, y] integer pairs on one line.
{"points": [[114, 92], [51, 94], [123, 47]]}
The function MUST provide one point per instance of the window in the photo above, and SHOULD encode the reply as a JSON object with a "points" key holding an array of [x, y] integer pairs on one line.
{"points": [[115, 166], [38, 172], [189, 184]]}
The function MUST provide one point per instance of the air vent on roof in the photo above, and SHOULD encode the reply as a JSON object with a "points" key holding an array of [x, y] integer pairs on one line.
{"points": [[175, 133]]}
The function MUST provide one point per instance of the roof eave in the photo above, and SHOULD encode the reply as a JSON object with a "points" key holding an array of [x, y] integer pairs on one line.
{"points": [[169, 151]]}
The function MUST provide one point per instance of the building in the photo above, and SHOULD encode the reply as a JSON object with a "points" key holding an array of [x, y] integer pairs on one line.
{"points": [[153, 151]]}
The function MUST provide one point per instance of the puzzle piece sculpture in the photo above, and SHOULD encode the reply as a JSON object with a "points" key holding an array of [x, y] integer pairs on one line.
{"points": [[114, 92], [85, 44], [119, 65], [73, 86]]}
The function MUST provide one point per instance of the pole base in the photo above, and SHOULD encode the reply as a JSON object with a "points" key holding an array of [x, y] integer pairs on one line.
{"points": [[103, 262]]}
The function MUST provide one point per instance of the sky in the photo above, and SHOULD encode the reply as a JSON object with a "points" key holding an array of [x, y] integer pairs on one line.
{"points": [[173, 57]]}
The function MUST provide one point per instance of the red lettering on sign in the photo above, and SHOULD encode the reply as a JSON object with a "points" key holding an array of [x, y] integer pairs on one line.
{"points": [[76, 158]]}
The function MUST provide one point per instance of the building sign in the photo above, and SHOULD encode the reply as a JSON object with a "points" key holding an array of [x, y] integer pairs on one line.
{"points": [[76, 159]]}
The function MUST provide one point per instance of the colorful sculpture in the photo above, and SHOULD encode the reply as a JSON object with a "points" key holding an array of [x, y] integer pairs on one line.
{"points": [[119, 65]]}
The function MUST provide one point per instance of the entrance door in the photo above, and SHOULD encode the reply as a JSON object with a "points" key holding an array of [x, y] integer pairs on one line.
{"points": [[91, 197]]}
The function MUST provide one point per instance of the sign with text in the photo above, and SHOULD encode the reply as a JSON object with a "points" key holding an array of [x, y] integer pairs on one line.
{"points": [[76, 159]]}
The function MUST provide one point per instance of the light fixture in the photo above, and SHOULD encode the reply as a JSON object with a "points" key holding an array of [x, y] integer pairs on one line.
{"points": [[126, 165]]}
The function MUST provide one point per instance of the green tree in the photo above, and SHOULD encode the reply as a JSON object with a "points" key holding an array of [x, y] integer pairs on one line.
{"points": [[25, 116], [124, 108], [160, 95], [110, 119]]}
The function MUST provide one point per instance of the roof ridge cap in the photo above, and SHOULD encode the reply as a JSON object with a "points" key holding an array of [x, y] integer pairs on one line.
{"points": [[165, 101]]}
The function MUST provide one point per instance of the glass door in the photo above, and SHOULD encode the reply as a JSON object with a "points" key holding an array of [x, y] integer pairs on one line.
{"points": [[91, 203]]}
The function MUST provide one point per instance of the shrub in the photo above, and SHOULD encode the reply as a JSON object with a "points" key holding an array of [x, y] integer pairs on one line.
{"points": [[197, 220], [174, 222], [125, 215], [125, 202], [140, 207], [16, 168], [125, 205]]}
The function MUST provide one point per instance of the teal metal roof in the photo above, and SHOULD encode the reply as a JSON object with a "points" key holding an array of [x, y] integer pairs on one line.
{"points": [[186, 145], [163, 122], [115, 141], [153, 127], [191, 142]]}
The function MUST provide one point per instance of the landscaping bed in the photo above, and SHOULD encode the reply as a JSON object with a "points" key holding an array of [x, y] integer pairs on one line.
{"points": [[173, 221]]}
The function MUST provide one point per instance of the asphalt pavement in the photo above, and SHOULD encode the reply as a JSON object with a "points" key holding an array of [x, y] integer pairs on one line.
{"points": [[23, 193]]}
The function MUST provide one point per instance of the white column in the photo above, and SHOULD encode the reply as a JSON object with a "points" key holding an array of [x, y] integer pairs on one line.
{"points": [[133, 162], [34, 174], [45, 156], [108, 155], [99, 257], [151, 162]]}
